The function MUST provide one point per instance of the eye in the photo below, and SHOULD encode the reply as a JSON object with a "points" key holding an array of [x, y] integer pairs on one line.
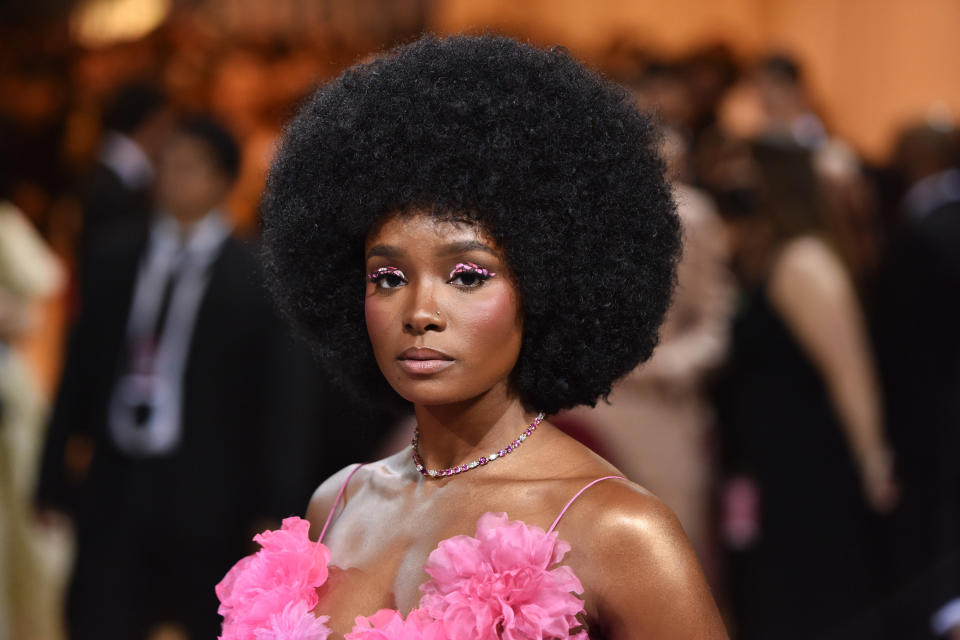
{"points": [[468, 274], [387, 277]]}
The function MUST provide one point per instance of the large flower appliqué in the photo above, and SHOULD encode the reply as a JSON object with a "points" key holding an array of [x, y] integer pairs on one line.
{"points": [[270, 595], [388, 624], [503, 583]]}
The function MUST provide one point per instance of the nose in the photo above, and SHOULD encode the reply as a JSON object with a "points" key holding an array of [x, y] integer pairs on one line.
{"points": [[423, 313]]}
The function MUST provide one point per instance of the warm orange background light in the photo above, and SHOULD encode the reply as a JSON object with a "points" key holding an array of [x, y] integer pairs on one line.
{"points": [[871, 65]]}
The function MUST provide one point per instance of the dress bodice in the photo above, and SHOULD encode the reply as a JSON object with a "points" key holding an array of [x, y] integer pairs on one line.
{"points": [[506, 581]]}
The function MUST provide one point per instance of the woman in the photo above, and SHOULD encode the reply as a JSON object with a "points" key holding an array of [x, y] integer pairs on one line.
{"points": [[800, 408], [483, 228]]}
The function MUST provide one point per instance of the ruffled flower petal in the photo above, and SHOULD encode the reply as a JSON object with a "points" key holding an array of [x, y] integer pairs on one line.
{"points": [[388, 624], [274, 590], [295, 622], [500, 584]]}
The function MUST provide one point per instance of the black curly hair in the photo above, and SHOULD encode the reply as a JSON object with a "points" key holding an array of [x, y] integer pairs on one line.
{"points": [[556, 164]]}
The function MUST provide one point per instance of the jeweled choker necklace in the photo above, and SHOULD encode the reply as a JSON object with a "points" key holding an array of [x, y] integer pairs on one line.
{"points": [[473, 464]]}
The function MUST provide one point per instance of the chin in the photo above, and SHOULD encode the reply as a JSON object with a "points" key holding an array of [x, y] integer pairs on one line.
{"points": [[428, 398], [434, 392]]}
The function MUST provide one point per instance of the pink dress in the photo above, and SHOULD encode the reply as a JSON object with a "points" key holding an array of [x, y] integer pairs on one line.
{"points": [[504, 582]]}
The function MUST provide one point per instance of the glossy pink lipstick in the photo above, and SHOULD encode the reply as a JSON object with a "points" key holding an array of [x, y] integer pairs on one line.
{"points": [[423, 360]]}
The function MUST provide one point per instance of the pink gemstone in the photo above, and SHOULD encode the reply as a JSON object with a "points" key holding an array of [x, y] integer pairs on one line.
{"points": [[483, 460], [528, 431], [502, 452], [463, 467], [516, 443], [456, 470]]}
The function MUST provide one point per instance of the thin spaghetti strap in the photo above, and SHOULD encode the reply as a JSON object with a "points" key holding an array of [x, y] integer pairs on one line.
{"points": [[577, 495], [336, 502]]}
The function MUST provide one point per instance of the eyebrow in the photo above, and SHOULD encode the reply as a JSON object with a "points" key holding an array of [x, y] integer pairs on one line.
{"points": [[463, 246]]}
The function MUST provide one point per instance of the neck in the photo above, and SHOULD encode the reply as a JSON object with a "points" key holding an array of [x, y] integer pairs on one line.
{"points": [[187, 221], [457, 433]]}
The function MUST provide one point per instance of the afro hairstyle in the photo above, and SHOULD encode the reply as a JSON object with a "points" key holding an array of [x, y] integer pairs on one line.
{"points": [[555, 163]]}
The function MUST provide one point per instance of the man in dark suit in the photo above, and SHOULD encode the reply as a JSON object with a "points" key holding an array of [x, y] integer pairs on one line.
{"points": [[192, 394], [117, 191], [917, 329]]}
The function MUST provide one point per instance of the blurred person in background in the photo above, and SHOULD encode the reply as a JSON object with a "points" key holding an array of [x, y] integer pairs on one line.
{"points": [[800, 410], [773, 101], [183, 381], [663, 87], [917, 331], [118, 189], [657, 422], [710, 71], [29, 272], [786, 105]]}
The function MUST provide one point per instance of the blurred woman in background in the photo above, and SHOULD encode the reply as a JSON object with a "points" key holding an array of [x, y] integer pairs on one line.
{"points": [[800, 407]]}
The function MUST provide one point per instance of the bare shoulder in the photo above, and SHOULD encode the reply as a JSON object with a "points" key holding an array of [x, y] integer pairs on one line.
{"points": [[809, 281], [635, 521], [637, 565], [810, 262], [324, 499]]}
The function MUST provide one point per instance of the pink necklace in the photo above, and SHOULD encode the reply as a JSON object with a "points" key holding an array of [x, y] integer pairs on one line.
{"points": [[473, 464]]}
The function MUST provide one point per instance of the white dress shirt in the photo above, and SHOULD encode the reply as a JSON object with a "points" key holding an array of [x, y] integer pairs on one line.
{"points": [[127, 160], [156, 381]]}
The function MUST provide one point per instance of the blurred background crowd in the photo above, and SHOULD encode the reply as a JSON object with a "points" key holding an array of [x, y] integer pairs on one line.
{"points": [[801, 415]]}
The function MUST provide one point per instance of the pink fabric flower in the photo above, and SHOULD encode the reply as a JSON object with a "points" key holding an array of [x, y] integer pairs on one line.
{"points": [[269, 595], [295, 622], [500, 584], [388, 624]]}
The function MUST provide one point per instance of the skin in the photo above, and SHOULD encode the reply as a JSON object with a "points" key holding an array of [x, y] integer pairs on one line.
{"points": [[189, 181], [813, 293], [640, 577]]}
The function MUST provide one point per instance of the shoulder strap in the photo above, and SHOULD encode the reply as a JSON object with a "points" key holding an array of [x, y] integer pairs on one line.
{"points": [[577, 495], [336, 502]]}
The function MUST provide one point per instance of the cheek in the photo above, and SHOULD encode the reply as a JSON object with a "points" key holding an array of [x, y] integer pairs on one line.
{"points": [[492, 324], [379, 319]]}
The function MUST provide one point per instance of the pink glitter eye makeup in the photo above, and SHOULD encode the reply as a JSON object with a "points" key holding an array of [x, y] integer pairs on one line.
{"points": [[387, 277], [466, 270]]}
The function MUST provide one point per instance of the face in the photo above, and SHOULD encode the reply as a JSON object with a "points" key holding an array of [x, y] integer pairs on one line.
{"points": [[442, 311], [189, 181]]}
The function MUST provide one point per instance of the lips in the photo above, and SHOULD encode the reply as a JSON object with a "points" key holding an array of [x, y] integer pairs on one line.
{"points": [[423, 360], [423, 353]]}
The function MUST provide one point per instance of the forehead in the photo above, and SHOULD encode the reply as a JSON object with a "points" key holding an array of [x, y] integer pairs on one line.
{"points": [[423, 231]]}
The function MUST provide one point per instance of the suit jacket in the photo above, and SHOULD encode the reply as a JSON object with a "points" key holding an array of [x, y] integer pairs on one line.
{"points": [[108, 204], [251, 396]]}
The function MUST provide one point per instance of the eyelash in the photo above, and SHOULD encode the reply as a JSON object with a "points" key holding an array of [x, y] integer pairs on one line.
{"points": [[462, 267], [474, 269], [377, 276]]}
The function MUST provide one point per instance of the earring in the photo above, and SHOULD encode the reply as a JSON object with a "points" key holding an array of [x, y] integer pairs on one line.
{"points": [[438, 314]]}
